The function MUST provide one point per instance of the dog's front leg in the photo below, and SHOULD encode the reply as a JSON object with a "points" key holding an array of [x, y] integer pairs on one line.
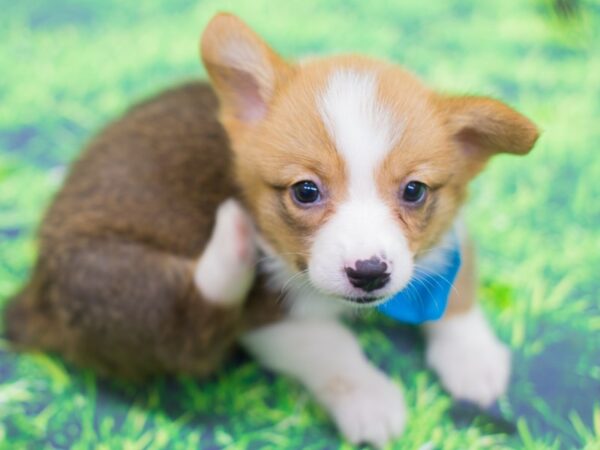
{"points": [[323, 355], [462, 348]]}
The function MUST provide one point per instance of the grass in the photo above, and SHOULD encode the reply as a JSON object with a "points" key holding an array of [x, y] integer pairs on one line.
{"points": [[69, 66]]}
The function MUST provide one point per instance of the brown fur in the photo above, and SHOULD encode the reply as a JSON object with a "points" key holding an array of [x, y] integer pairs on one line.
{"points": [[463, 294], [113, 286], [445, 144]]}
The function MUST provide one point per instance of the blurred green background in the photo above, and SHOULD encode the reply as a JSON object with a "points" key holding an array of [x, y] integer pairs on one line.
{"points": [[69, 66]]}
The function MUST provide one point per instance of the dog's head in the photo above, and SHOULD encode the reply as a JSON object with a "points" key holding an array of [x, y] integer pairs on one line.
{"points": [[351, 166]]}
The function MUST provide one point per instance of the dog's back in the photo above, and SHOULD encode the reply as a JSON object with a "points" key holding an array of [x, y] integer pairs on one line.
{"points": [[112, 286], [156, 176]]}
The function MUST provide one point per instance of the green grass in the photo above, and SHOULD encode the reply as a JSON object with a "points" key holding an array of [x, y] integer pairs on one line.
{"points": [[69, 66]]}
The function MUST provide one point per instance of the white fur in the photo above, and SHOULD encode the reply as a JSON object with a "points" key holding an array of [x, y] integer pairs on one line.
{"points": [[471, 362], [366, 406], [296, 293], [363, 226], [362, 129], [360, 228], [225, 271]]}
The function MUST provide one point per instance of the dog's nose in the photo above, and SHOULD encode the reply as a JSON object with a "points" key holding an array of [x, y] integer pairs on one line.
{"points": [[369, 274]]}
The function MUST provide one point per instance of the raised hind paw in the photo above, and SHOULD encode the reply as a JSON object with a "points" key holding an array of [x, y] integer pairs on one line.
{"points": [[225, 271]]}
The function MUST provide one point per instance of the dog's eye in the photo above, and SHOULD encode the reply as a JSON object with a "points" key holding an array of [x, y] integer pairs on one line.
{"points": [[414, 192], [306, 192]]}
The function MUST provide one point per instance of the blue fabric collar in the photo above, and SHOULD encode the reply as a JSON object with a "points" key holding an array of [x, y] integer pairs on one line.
{"points": [[426, 296]]}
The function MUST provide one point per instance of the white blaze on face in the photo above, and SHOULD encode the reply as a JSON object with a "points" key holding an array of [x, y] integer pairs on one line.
{"points": [[363, 226]]}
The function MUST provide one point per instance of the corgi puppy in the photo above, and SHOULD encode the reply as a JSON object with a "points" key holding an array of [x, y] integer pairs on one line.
{"points": [[339, 175]]}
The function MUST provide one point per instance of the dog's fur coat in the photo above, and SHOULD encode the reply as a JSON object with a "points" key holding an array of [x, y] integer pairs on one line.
{"points": [[146, 264]]}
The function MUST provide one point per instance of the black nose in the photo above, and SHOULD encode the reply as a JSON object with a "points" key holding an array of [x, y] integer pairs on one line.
{"points": [[370, 274]]}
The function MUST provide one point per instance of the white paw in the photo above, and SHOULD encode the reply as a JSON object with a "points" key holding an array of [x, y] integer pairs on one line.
{"points": [[225, 271], [471, 362], [235, 233], [368, 408]]}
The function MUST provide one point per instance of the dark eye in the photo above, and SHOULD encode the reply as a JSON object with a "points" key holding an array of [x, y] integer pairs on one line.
{"points": [[306, 192], [414, 192]]}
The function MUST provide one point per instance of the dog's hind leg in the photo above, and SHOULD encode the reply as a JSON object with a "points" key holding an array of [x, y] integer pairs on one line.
{"points": [[129, 308]]}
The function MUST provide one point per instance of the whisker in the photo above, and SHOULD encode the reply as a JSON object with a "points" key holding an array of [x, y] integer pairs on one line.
{"points": [[288, 285], [437, 278], [423, 282], [428, 278]]}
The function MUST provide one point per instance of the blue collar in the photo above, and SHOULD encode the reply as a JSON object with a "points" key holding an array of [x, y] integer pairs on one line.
{"points": [[426, 295]]}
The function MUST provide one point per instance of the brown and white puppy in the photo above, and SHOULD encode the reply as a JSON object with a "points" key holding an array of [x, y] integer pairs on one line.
{"points": [[353, 174]]}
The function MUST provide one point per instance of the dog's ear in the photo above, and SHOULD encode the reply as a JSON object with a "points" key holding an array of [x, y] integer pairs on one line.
{"points": [[244, 71], [483, 127]]}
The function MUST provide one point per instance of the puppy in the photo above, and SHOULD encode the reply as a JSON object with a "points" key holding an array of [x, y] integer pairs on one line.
{"points": [[352, 173]]}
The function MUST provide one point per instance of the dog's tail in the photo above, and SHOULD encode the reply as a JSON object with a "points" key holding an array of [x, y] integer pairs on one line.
{"points": [[15, 319], [21, 319]]}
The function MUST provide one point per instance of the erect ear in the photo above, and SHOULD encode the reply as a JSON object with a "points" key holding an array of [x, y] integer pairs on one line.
{"points": [[483, 127], [244, 71]]}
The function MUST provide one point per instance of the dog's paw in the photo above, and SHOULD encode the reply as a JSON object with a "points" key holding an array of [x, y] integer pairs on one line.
{"points": [[225, 271], [471, 362], [367, 409], [235, 233]]}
